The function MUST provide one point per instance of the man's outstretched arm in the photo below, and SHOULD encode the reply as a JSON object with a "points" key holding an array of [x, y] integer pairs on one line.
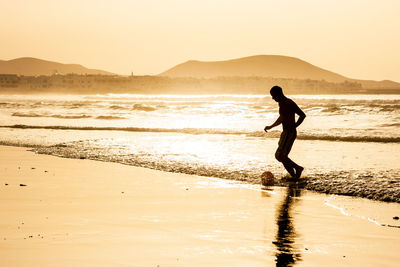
{"points": [[276, 123]]}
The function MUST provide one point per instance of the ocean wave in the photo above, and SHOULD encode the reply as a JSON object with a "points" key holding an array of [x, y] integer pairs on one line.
{"points": [[378, 139], [143, 107], [354, 106], [377, 185], [109, 118], [70, 116], [19, 144], [396, 124], [75, 105], [58, 116], [27, 115], [117, 107], [128, 106], [10, 105], [35, 115], [261, 134], [202, 97], [332, 109]]}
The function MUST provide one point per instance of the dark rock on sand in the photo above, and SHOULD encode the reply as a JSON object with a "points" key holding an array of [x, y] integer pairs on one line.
{"points": [[22, 184], [395, 217]]}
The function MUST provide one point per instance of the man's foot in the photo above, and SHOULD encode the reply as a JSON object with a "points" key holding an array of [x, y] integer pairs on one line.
{"points": [[292, 174], [299, 170]]}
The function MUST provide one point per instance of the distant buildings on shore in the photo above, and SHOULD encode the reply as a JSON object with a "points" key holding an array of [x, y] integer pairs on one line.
{"points": [[74, 83], [56, 81]]}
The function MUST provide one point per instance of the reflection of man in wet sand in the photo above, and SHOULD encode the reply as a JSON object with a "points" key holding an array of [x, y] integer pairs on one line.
{"points": [[287, 254], [287, 110]]}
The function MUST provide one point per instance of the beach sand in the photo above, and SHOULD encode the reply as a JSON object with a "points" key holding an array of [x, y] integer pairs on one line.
{"points": [[87, 213]]}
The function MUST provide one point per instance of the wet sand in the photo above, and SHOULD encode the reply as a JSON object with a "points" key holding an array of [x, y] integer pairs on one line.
{"points": [[87, 213]]}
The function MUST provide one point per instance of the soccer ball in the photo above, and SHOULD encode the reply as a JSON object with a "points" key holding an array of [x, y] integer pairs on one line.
{"points": [[267, 178]]}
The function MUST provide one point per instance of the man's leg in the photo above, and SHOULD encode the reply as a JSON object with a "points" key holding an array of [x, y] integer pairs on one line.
{"points": [[285, 145], [299, 170], [287, 163], [291, 165]]}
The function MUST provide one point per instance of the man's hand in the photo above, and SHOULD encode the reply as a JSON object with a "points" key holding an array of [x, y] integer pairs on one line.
{"points": [[276, 123], [267, 128]]}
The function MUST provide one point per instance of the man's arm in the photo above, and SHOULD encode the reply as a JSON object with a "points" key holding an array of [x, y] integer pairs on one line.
{"points": [[276, 123], [301, 114]]}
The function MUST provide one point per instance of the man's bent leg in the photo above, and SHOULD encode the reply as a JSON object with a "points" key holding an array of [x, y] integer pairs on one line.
{"points": [[285, 144], [289, 169], [292, 163], [289, 166], [287, 163], [298, 168]]}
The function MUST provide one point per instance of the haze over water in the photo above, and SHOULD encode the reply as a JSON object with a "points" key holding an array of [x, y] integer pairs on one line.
{"points": [[349, 144]]}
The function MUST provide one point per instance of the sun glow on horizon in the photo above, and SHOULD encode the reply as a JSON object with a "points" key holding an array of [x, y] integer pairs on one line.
{"points": [[355, 38]]}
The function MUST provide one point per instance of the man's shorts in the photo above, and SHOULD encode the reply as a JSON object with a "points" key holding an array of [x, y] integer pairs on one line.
{"points": [[285, 143]]}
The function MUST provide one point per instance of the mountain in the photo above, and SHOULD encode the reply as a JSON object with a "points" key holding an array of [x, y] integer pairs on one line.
{"points": [[29, 66], [263, 66], [266, 66]]}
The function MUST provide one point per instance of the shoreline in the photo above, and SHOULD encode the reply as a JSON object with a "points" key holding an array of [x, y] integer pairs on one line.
{"points": [[337, 185], [87, 212]]}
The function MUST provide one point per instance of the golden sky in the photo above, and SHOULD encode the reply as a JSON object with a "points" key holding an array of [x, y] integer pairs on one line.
{"points": [[356, 38]]}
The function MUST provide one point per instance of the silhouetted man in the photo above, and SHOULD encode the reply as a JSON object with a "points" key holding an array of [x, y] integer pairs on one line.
{"points": [[287, 110]]}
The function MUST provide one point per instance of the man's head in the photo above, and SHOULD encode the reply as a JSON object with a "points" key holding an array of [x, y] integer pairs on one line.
{"points": [[277, 93]]}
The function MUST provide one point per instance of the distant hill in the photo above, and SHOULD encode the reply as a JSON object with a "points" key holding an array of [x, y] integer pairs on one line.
{"points": [[263, 66], [33, 66], [266, 66]]}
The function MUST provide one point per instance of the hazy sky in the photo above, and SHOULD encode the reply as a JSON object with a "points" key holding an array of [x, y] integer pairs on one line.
{"points": [[356, 38]]}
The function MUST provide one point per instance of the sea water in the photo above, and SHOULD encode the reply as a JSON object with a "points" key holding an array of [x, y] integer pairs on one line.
{"points": [[348, 144]]}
